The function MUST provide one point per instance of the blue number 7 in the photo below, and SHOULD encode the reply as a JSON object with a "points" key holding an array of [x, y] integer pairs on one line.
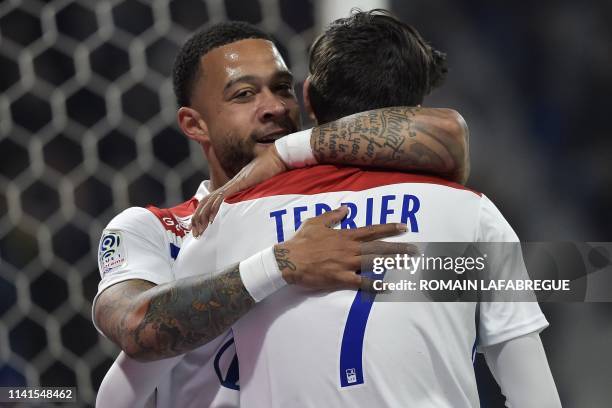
{"points": [[351, 350]]}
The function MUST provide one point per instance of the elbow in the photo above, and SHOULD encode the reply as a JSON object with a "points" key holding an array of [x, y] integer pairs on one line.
{"points": [[123, 320], [129, 336], [137, 353], [131, 345], [455, 126], [135, 341], [135, 350]]}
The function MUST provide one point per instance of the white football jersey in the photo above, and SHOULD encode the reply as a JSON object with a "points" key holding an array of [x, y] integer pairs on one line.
{"points": [[300, 348], [143, 243]]}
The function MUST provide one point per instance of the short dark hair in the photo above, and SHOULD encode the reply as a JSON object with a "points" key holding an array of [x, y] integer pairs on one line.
{"points": [[186, 69], [371, 60]]}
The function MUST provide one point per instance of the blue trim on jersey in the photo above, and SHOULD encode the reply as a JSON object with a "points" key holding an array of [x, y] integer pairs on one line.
{"points": [[351, 351], [174, 251], [232, 377]]}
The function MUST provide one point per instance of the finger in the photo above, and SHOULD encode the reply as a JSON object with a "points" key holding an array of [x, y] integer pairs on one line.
{"points": [[196, 219], [373, 232], [205, 217], [368, 261], [331, 218], [384, 248], [378, 264], [204, 214], [351, 262], [194, 226], [214, 207], [348, 280], [201, 214]]}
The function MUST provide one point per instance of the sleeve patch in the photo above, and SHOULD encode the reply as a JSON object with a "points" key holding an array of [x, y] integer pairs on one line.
{"points": [[111, 254]]}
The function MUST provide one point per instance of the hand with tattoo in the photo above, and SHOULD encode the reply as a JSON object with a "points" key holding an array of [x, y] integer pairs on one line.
{"points": [[318, 257]]}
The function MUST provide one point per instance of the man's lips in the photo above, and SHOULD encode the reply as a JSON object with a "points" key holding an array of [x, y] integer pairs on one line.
{"points": [[271, 137]]}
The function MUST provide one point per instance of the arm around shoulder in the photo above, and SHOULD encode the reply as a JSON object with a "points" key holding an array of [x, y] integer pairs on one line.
{"points": [[401, 138]]}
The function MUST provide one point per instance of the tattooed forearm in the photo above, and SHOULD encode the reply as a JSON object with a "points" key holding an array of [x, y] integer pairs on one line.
{"points": [[190, 312], [179, 316], [400, 138]]}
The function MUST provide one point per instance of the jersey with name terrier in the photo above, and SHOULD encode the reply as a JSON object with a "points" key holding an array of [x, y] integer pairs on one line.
{"points": [[303, 348]]}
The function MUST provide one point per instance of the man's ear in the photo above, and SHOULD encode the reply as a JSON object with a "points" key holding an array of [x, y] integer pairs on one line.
{"points": [[306, 95], [193, 126]]}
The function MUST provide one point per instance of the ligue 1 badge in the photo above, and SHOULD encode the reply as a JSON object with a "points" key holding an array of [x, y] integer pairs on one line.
{"points": [[112, 253]]}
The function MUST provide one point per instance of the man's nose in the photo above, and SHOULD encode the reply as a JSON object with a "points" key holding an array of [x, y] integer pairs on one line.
{"points": [[272, 106]]}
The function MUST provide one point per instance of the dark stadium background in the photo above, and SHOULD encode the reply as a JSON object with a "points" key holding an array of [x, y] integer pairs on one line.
{"points": [[87, 129]]}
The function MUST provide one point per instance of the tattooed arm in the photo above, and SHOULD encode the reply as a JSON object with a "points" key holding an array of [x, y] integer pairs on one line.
{"points": [[415, 139], [153, 322], [399, 138]]}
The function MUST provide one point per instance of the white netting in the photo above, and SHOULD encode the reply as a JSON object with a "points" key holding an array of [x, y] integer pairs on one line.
{"points": [[87, 129]]}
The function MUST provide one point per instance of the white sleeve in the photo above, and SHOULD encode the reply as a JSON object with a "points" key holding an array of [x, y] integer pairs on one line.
{"points": [[295, 150], [133, 246], [502, 321], [520, 368], [131, 384]]}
